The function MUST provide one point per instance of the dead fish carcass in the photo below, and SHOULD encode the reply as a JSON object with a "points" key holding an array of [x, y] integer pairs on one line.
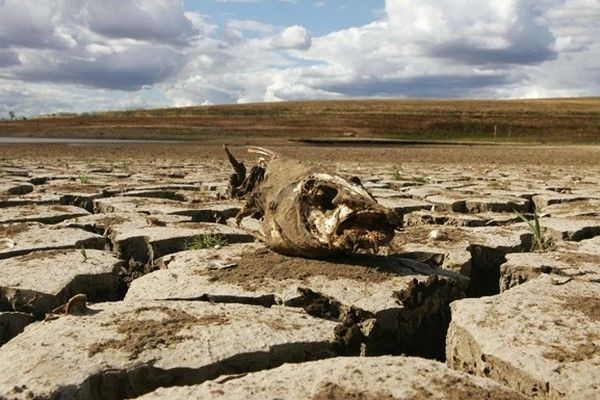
{"points": [[308, 211]]}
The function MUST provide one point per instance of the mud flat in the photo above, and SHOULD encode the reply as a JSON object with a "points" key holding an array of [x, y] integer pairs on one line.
{"points": [[182, 303]]}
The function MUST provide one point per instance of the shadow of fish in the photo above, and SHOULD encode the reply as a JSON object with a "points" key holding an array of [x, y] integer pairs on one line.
{"points": [[308, 211]]}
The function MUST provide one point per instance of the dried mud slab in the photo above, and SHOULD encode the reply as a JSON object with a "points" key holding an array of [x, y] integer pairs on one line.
{"points": [[460, 219], [475, 252], [47, 214], [541, 338], [170, 192], [383, 304], [588, 246], [143, 245], [76, 193], [451, 202], [29, 199], [544, 200], [15, 188], [120, 350], [421, 192], [522, 267], [571, 229], [578, 208], [12, 324], [403, 206], [139, 239], [498, 238], [146, 205], [497, 203], [69, 181], [15, 171], [28, 237], [112, 223], [40, 281], [137, 204], [451, 252], [435, 254], [373, 378], [382, 191]]}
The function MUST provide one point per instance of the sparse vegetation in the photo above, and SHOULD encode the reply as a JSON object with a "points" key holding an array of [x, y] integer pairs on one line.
{"points": [[206, 241], [420, 180], [84, 179], [566, 120], [534, 226], [397, 174], [498, 185], [83, 253], [126, 165]]}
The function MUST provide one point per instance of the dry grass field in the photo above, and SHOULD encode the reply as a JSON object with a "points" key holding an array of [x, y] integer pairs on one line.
{"points": [[574, 120]]}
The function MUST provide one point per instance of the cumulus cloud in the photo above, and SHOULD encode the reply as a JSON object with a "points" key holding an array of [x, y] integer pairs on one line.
{"points": [[413, 48], [113, 44], [294, 37], [129, 69], [32, 24], [438, 48], [33, 98], [8, 58], [417, 86], [249, 25], [163, 21], [473, 32], [239, 68], [463, 48]]}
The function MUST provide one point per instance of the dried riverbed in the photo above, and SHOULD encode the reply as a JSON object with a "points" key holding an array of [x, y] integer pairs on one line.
{"points": [[462, 305]]}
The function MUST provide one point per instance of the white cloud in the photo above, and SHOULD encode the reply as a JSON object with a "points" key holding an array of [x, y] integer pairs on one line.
{"points": [[435, 49], [161, 21], [293, 38], [462, 48], [445, 48], [114, 44], [31, 24], [33, 98], [9, 58], [250, 25]]}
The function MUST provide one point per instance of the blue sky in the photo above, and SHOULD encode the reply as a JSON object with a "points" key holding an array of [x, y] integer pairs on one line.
{"points": [[319, 17], [58, 56]]}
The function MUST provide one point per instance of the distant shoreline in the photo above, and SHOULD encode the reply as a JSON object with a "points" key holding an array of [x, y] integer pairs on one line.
{"points": [[555, 121], [392, 142], [73, 140]]}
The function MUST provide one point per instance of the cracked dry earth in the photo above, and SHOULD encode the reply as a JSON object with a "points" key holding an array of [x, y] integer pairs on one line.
{"points": [[461, 306]]}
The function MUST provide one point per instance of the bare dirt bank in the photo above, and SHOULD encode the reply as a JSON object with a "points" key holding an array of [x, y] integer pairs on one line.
{"points": [[565, 155]]}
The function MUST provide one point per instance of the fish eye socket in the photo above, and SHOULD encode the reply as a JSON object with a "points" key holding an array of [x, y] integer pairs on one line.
{"points": [[323, 197]]}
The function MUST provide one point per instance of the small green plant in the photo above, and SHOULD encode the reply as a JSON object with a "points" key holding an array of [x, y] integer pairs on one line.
{"points": [[83, 253], [84, 179], [535, 228], [497, 185], [206, 241], [397, 174]]}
